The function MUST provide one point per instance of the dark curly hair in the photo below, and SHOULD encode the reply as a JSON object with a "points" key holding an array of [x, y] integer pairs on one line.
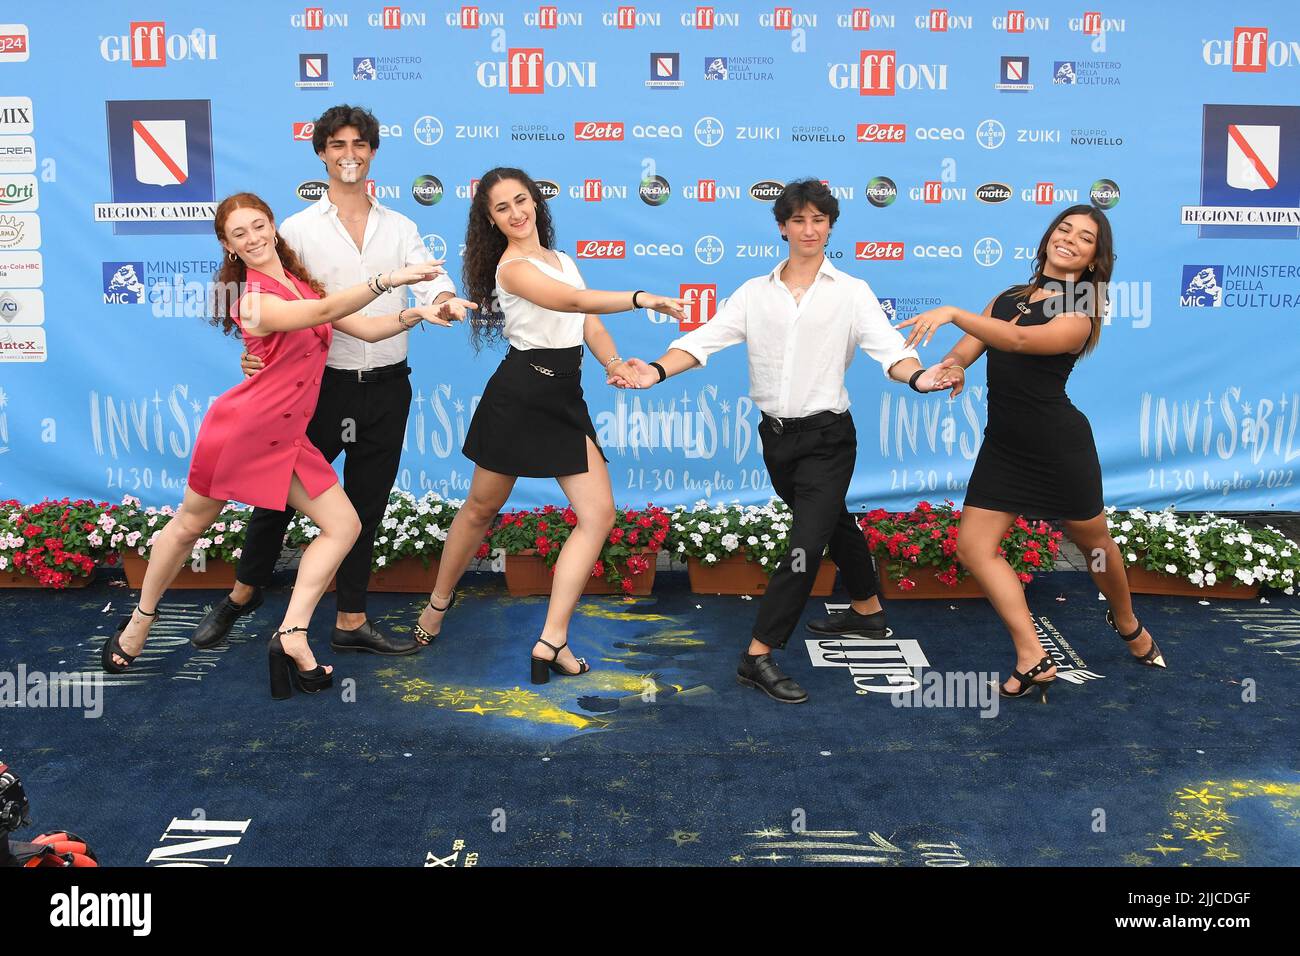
{"points": [[484, 245], [231, 278], [800, 193], [337, 117]]}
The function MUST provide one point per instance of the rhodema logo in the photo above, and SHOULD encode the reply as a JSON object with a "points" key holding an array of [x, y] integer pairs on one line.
{"points": [[993, 192], [426, 190], [1104, 194], [548, 189], [654, 191], [881, 191], [312, 190], [766, 190]]}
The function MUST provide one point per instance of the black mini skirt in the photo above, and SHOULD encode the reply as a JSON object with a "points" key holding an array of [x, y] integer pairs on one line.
{"points": [[532, 421]]}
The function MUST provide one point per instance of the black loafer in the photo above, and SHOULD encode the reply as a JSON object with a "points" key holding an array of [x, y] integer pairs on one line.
{"points": [[372, 640], [849, 623], [762, 672], [212, 630]]}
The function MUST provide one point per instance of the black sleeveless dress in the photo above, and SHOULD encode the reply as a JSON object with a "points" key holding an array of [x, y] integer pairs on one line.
{"points": [[1038, 458]]}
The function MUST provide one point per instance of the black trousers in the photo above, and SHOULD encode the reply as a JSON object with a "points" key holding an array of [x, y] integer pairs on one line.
{"points": [[367, 420], [811, 470]]}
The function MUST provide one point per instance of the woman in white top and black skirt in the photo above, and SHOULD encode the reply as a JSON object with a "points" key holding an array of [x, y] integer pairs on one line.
{"points": [[532, 420]]}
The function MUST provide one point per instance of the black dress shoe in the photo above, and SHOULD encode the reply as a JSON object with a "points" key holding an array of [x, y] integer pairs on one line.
{"points": [[761, 671], [213, 629], [849, 623], [372, 640]]}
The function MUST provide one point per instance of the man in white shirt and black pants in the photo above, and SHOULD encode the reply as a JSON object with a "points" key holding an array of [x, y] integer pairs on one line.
{"points": [[803, 323], [342, 239]]}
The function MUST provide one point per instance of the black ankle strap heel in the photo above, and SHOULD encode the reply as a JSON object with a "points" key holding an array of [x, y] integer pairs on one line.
{"points": [[542, 667], [284, 671]]}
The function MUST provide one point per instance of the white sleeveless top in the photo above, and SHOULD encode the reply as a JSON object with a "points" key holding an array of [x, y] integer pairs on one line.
{"points": [[528, 325]]}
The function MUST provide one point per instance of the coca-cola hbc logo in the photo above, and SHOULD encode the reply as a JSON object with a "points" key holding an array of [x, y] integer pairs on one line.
{"points": [[603, 132], [879, 251], [602, 249]]}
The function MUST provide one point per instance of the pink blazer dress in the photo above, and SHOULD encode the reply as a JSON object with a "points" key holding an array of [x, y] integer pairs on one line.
{"points": [[254, 437]]}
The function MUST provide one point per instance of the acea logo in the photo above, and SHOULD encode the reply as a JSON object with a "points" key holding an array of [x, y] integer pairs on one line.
{"points": [[123, 283], [1202, 287], [1250, 173], [160, 167]]}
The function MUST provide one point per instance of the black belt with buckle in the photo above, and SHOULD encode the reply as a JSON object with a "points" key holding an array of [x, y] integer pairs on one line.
{"points": [[396, 370], [782, 425]]}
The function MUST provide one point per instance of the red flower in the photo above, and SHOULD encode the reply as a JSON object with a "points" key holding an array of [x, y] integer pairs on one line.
{"points": [[599, 570], [615, 536], [936, 533], [1031, 557], [906, 584], [627, 585], [570, 518], [1026, 578], [483, 551], [632, 536], [541, 526]]}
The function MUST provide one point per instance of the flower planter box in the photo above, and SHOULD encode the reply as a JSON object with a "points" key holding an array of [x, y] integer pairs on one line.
{"points": [[404, 576], [16, 579], [927, 586], [218, 575], [527, 575], [1142, 581], [735, 574]]}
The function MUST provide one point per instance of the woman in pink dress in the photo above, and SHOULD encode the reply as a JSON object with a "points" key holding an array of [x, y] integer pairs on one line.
{"points": [[252, 446]]}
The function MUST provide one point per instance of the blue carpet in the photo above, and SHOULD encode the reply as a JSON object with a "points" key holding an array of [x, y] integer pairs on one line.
{"points": [[452, 758]]}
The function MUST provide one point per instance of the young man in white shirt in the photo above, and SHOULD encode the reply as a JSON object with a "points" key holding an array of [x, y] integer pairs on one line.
{"points": [[803, 323], [365, 392]]}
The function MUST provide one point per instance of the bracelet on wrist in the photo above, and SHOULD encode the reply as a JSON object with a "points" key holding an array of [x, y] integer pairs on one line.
{"points": [[911, 382], [660, 369], [635, 303], [614, 358]]}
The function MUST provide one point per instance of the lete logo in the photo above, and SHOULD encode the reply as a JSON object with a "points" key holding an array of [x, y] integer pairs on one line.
{"points": [[602, 249], [606, 132]]}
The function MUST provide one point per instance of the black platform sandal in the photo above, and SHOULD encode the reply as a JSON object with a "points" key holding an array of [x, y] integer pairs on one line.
{"points": [[113, 646], [285, 673], [423, 637], [542, 668], [1153, 657], [1027, 683]]}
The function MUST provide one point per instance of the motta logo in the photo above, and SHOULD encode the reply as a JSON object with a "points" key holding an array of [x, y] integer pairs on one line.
{"points": [[312, 190], [766, 190], [882, 132], [547, 188], [303, 131], [602, 249], [993, 192], [880, 251], [598, 132], [149, 45]]}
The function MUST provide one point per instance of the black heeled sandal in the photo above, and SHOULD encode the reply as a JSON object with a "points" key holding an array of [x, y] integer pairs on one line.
{"points": [[285, 673], [113, 646], [423, 637], [1153, 657], [542, 668], [1027, 683]]}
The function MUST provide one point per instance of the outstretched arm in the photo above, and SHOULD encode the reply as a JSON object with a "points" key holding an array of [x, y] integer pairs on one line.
{"points": [[262, 314], [525, 280], [1064, 333]]}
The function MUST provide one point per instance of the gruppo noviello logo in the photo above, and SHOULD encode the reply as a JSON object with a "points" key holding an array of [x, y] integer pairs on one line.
{"points": [[1250, 173], [160, 167], [1202, 287]]}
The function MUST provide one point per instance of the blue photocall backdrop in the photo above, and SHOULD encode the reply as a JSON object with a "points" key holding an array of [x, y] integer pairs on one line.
{"points": [[950, 135]]}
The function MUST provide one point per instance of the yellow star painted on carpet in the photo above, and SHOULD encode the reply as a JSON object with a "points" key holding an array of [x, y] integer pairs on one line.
{"points": [[681, 837], [1203, 795], [1222, 853], [1204, 836], [1273, 788], [1165, 850], [1137, 859], [476, 709]]}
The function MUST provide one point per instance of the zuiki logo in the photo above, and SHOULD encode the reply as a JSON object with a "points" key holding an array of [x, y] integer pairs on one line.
{"points": [[160, 166], [427, 190], [148, 44], [881, 191], [1250, 156], [123, 283], [1202, 287], [654, 191]]}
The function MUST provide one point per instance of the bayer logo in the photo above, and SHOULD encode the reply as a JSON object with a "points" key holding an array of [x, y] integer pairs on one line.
{"points": [[428, 130], [709, 131], [988, 251], [708, 249], [436, 245], [990, 134]]}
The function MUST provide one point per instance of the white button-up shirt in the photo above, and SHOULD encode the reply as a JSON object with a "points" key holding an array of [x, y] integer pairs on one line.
{"points": [[799, 351], [329, 254]]}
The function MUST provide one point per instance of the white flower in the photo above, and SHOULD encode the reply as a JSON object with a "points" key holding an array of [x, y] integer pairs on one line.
{"points": [[218, 539], [705, 527], [681, 546], [1244, 576], [1209, 565], [1131, 557], [1196, 577], [381, 561], [203, 544], [1210, 579], [1171, 568], [1126, 526], [383, 540], [237, 552], [730, 542], [751, 540], [95, 539], [710, 558], [762, 560]]}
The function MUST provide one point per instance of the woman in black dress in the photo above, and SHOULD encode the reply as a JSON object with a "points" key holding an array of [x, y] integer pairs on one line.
{"points": [[532, 420], [1038, 458]]}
